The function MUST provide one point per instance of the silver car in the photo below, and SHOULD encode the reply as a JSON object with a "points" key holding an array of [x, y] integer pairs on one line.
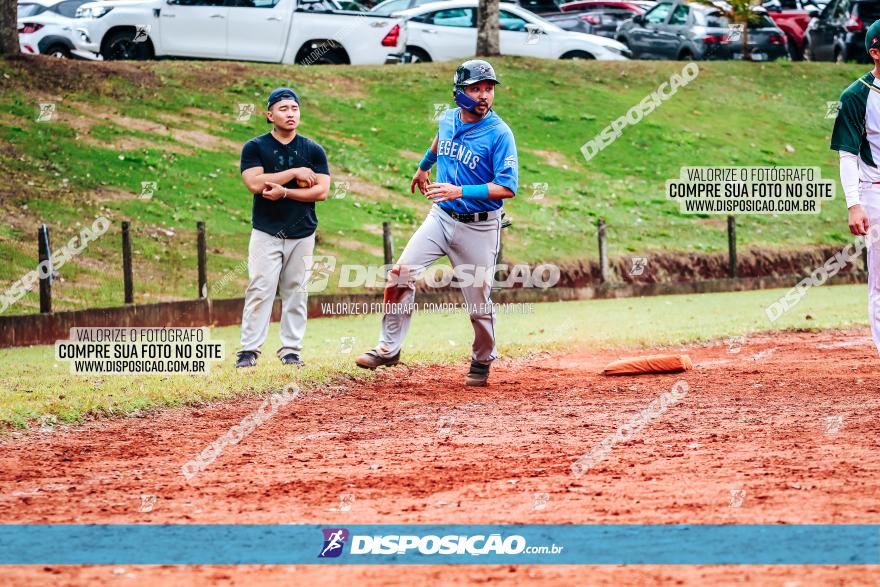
{"points": [[697, 31]]}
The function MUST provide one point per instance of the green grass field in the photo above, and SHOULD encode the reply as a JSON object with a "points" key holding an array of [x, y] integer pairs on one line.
{"points": [[176, 123], [34, 384]]}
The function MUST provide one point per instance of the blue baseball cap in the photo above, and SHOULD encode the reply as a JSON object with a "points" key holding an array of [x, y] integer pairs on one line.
{"points": [[279, 94]]}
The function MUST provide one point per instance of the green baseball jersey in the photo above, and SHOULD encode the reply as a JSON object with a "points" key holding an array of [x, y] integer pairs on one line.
{"points": [[857, 127]]}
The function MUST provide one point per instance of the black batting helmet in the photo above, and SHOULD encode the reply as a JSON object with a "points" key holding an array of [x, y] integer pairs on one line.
{"points": [[473, 71]]}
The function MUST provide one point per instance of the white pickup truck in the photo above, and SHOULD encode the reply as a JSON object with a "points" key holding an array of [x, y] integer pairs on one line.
{"points": [[275, 31]]}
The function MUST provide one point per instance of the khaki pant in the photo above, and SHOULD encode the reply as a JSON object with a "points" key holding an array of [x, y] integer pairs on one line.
{"points": [[276, 264]]}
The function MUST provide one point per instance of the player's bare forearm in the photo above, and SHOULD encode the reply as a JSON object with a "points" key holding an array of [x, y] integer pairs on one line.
{"points": [[256, 180], [499, 192], [281, 177], [434, 144], [442, 192], [316, 193]]}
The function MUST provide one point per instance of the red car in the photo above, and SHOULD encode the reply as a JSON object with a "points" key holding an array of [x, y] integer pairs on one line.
{"points": [[792, 16]]}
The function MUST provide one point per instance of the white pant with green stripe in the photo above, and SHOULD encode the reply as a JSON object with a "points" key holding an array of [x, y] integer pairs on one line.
{"points": [[474, 243]]}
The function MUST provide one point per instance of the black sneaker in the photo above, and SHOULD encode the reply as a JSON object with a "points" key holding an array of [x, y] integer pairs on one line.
{"points": [[478, 376], [292, 359], [246, 359]]}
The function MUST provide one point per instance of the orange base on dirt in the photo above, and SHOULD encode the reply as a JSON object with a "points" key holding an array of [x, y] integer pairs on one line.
{"points": [[649, 364], [782, 430]]}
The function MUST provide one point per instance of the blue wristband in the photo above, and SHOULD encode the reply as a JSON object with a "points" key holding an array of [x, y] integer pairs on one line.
{"points": [[475, 192], [428, 160]]}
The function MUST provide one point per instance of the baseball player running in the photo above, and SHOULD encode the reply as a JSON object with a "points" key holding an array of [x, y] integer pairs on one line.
{"points": [[856, 137], [476, 170], [286, 173]]}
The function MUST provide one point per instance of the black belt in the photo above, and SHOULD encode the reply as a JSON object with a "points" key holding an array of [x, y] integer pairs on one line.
{"points": [[472, 217]]}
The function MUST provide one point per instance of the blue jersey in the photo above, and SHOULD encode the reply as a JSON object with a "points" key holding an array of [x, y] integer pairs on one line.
{"points": [[476, 153]]}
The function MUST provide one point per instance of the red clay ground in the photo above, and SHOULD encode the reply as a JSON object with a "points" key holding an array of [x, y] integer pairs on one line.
{"points": [[755, 420]]}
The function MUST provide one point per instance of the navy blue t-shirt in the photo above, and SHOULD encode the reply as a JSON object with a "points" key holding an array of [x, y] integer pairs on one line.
{"points": [[285, 218]]}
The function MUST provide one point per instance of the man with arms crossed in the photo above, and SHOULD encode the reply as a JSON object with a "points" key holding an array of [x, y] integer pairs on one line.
{"points": [[476, 170], [286, 173]]}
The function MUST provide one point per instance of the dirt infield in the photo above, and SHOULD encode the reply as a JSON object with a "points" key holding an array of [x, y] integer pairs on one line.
{"points": [[774, 429]]}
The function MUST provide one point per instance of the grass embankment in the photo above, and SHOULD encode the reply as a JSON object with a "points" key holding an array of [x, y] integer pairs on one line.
{"points": [[177, 123]]}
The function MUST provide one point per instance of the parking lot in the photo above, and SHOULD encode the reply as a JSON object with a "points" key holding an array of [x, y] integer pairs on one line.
{"points": [[359, 32]]}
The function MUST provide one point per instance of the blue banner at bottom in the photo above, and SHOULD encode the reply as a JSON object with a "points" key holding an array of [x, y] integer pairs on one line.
{"points": [[162, 544]]}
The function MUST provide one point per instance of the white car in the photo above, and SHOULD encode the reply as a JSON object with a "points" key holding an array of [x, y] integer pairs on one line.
{"points": [[274, 31], [45, 26], [448, 30]]}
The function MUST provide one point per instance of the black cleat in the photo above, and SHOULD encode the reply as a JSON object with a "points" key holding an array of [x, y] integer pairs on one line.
{"points": [[246, 359], [292, 359], [478, 376]]}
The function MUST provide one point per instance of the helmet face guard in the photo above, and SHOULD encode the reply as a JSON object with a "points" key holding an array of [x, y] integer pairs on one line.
{"points": [[471, 72], [465, 101]]}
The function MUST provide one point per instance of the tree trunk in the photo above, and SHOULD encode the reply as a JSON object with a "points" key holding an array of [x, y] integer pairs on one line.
{"points": [[746, 55], [9, 27], [488, 43]]}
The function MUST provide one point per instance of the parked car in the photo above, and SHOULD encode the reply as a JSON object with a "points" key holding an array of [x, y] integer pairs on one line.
{"points": [[631, 5], [838, 32], [597, 17], [541, 7], [276, 31], [793, 5], [391, 6], [308, 6], [792, 17], [448, 30], [353, 5], [697, 31], [44, 27]]}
